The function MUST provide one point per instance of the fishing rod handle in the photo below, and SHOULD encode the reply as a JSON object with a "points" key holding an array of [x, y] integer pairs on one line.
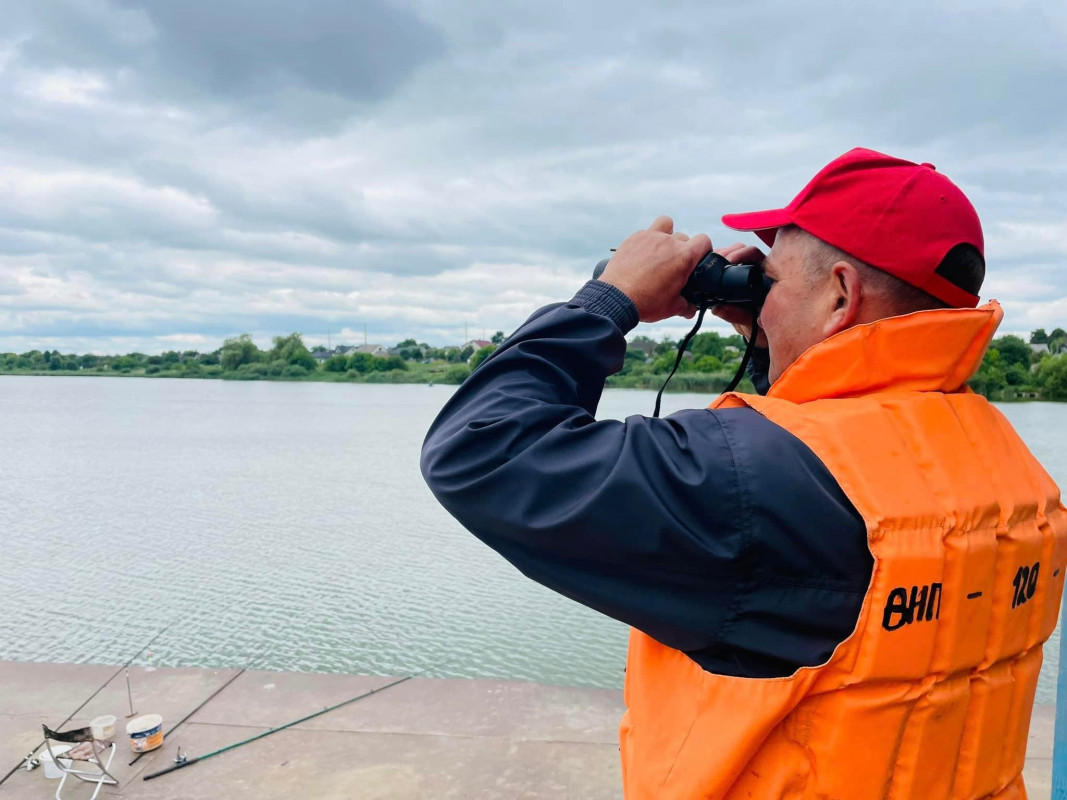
{"points": [[171, 768]]}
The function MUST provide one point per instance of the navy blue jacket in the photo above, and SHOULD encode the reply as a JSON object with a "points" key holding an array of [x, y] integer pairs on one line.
{"points": [[717, 533]]}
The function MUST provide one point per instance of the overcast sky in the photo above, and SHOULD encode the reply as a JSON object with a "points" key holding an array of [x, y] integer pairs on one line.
{"points": [[176, 173]]}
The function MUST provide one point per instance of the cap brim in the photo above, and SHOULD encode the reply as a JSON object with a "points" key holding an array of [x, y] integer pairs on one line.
{"points": [[764, 223]]}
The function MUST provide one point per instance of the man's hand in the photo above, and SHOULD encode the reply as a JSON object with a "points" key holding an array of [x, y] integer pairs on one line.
{"points": [[652, 266], [739, 317]]}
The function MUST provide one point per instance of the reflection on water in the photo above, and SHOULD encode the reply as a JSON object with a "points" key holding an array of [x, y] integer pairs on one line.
{"points": [[282, 525]]}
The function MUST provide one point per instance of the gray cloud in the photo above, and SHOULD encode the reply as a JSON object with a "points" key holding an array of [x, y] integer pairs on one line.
{"points": [[286, 60], [183, 170], [248, 48]]}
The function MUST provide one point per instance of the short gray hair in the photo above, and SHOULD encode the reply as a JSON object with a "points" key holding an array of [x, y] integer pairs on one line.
{"points": [[900, 297]]}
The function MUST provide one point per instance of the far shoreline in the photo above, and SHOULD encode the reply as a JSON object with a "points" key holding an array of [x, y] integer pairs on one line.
{"points": [[681, 383]]}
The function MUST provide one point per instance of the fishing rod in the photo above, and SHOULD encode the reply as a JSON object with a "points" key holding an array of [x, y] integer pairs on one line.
{"points": [[29, 758], [184, 761], [212, 696], [173, 728]]}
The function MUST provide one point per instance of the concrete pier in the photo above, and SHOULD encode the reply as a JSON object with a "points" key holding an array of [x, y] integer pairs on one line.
{"points": [[425, 738]]}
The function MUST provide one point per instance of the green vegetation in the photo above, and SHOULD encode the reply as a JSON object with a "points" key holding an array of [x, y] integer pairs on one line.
{"points": [[1012, 368], [240, 358], [1015, 370], [708, 366]]}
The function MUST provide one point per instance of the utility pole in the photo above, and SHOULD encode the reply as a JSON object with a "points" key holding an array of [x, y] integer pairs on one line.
{"points": [[329, 344]]}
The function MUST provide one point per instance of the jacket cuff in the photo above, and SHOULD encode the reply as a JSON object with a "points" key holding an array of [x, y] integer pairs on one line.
{"points": [[608, 301], [758, 367]]}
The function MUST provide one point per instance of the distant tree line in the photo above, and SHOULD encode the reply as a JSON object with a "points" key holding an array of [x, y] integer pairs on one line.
{"points": [[706, 352], [288, 357], [240, 358], [1012, 368]]}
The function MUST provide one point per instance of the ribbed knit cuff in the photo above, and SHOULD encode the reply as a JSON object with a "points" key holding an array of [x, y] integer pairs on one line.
{"points": [[758, 367], [608, 301]]}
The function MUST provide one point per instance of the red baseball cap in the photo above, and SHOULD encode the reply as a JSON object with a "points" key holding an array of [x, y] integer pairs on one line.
{"points": [[895, 215]]}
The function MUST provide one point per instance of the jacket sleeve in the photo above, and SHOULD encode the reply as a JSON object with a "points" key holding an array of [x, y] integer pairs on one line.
{"points": [[645, 520]]}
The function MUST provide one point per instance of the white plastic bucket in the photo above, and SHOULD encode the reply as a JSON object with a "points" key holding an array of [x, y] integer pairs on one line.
{"points": [[103, 727], [50, 769], [146, 733]]}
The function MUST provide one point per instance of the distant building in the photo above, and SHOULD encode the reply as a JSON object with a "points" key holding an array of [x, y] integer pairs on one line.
{"points": [[321, 355], [1039, 349], [348, 350], [477, 344], [645, 347]]}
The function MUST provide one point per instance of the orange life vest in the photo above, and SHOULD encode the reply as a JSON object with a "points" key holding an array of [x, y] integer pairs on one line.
{"points": [[930, 697]]}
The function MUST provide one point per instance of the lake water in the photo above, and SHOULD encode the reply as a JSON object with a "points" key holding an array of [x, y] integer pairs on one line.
{"points": [[283, 526]]}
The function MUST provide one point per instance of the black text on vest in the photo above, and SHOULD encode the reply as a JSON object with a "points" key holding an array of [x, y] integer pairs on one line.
{"points": [[921, 604], [1025, 584]]}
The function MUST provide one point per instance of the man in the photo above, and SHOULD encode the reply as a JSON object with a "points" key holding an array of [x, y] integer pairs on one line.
{"points": [[837, 590]]}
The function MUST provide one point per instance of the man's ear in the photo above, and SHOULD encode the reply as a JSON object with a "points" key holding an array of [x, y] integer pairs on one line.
{"points": [[845, 296]]}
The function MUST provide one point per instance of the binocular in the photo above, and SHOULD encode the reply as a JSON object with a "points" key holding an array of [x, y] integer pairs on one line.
{"points": [[715, 280]]}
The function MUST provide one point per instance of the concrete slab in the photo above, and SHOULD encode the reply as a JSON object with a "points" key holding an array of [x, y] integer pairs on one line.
{"points": [[514, 709], [1042, 732], [327, 765], [1038, 770], [52, 691], [171, 693], [18, 735], [268, 699], [424, 738], [1038, 776]]}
